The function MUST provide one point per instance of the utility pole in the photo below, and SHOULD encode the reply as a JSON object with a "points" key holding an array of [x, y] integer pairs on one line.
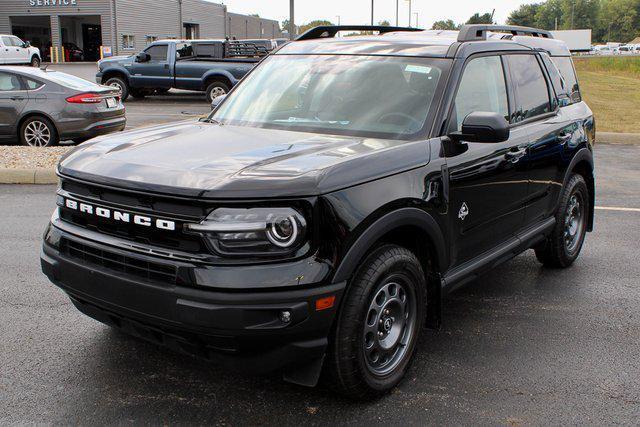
{"points": [[409, 13], [338, 16], [397, 9], [372, 12], [573, 10], [292, 24], [417, 24]]}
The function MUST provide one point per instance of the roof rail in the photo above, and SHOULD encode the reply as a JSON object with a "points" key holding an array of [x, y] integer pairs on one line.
{"points": [[327, 31], [470, 33]]}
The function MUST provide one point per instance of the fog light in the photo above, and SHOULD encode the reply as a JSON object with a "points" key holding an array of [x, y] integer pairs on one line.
{"points": [[285, 316]]}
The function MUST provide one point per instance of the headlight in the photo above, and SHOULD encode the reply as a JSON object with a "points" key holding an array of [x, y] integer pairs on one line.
{"points": [[257, 231]]}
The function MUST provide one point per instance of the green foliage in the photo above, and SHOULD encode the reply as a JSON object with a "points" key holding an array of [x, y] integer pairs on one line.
{"points": [[485, 18], [620, 65], [445, 25], [384, 23], [310, 25], [610, 20]]}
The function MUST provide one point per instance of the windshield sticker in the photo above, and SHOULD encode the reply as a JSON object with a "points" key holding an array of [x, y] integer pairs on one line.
{"points": [[418, 69]]}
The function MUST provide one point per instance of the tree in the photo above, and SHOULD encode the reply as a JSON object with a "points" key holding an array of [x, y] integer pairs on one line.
{"points": [[525, 15], [445, 25], [548, 14], [384, 23], [485, 18], [310, 25], [619, 20]]}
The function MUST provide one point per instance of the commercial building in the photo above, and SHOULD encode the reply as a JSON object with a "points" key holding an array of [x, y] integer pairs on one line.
{"points": [[124, 26]]}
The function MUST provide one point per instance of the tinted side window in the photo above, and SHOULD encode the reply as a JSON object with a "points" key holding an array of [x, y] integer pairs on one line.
{"points": [[33, 84], [482, 88], [7, 41], [558, 83], [9, 82], [532, 93], [184, 50], [565, 66], [158, 52]]}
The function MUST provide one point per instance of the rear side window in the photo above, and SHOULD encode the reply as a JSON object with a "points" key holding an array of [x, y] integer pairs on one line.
{"points": [[565, 66], [7, 41], [482, 88], [33, 84], [158, 52], [9, 82], [532, 93], [184, 50]]}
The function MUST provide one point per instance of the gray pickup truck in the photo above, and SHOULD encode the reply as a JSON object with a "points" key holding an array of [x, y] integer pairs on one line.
{"points": [[212, 66]]}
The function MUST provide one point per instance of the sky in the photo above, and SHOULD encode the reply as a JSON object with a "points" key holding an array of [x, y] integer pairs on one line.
{"points": [[358, 12]]}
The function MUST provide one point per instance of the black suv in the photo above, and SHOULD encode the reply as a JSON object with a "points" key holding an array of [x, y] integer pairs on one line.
{"points": [[314, 221]]}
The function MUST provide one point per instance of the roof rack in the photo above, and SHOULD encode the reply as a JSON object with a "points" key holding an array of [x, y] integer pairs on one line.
{"points": [[470, 33], [328, 31]]}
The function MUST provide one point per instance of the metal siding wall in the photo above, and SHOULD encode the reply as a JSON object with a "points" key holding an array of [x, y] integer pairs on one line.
{"points": [[209, 16], [10, 8], [249, 27], [146, 17]]}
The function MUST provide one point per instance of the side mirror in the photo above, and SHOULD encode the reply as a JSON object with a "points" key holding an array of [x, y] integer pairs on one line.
{"points": [[217, 101], [26, 44], [483, 127], [143, 57]]}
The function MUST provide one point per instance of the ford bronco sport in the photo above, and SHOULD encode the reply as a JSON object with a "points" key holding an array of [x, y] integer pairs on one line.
{"points": [[313, 222]]}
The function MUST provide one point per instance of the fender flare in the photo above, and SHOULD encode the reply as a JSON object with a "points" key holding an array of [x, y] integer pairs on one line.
{"points": [[397, 218], [212, 74], [117, 70], [584, 154]]}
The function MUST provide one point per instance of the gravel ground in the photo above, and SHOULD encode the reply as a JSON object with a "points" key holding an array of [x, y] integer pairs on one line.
{"points": [[19, 157]]}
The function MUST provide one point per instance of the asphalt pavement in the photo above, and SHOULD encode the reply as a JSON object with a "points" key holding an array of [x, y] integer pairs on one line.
{"points": [[520, 345]]}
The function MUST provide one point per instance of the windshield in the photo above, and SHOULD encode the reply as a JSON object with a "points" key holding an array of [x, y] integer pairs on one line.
{"points": [[372, 96], [70, 81]]}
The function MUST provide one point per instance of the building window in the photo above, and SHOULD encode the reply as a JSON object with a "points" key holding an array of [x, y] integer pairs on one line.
{"points": [[151, 39], [128, 41]]}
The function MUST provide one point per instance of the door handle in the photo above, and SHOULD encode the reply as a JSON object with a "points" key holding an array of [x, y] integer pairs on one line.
{"points": [[516, 155], [565, 137], [18, 98]]}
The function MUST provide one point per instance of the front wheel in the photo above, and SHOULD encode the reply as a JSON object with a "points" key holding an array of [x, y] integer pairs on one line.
{"points": [[564, 245], [121, 85], [35, 61], [378, 325]]}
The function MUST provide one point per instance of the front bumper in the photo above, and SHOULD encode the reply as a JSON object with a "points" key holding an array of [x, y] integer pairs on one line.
{"points": [[235, 328]]}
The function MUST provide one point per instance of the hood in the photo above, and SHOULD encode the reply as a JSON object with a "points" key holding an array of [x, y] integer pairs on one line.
{"points": [[113, 59], [221, 161]]}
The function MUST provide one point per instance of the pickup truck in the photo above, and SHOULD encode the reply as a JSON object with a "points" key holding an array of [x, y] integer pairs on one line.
{"points": [[212, 66]]}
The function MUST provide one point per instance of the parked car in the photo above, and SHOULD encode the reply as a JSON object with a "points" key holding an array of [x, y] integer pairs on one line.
{"points": [[72, 52], [314, 222], [15, 51], [40, 108], [212, 66]]}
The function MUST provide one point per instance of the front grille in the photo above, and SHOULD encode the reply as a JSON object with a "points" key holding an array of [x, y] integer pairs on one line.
{"points": [[150, 271], [177, 210]]}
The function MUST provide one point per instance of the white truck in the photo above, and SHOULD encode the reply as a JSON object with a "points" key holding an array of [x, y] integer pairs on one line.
{"points": [[576, 40], [15, 51]]}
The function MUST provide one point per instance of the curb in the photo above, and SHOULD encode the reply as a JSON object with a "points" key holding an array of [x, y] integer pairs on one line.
{"points": [[28, 176]]}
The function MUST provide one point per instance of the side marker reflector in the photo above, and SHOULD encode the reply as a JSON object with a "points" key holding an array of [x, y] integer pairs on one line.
{"points": [[325, 303]]}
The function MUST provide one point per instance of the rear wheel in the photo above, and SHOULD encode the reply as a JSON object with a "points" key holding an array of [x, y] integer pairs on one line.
{"points": [[35, 61], [564, 245], [120, 84], [378, 325], [216, 89], [38, 132]]}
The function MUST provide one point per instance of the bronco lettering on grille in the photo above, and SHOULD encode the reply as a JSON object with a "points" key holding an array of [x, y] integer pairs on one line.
{"points": [[102, 212]]}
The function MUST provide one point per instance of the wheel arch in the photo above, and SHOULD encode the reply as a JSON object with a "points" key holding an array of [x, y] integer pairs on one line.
{"points": [[35, 114], [217, 75], [116, 72], [582, 164], [414, 229]]}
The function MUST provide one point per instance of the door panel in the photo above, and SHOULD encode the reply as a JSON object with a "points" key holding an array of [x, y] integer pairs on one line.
{"points": [[488, 183], [155, 73]]}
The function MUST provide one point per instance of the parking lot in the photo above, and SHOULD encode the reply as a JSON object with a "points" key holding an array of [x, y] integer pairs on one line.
{"points": [[520, 345]]}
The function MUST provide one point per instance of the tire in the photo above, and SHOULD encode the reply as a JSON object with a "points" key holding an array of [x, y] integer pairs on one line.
{"points": [[563, 246], [216, 89], [38, 131], [35, 61], [363, 330], [121, 84]]}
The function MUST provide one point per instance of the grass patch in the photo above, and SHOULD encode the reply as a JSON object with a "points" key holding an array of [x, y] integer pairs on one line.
{"points": [[610, 85]]}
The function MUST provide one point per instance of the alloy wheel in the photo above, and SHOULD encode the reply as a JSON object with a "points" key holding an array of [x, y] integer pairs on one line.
{"points": [[37, 134]]}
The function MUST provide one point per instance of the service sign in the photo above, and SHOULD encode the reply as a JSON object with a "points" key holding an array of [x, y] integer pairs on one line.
{"points": [[45, 3]]}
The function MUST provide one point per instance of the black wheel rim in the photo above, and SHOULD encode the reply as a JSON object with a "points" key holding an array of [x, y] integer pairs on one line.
{"points": [[389, 325], [574, 223]]}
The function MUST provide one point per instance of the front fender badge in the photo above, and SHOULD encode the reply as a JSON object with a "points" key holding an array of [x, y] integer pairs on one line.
{"points": [[464, 211]]}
